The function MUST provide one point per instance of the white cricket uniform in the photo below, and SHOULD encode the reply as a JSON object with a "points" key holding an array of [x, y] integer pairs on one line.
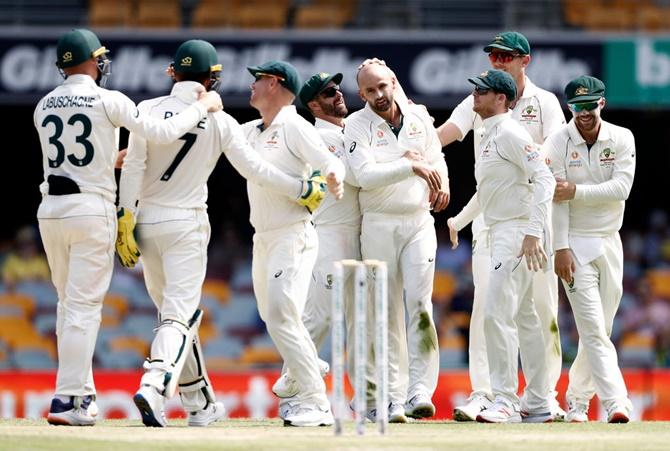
{"points": [[77, 124], [539, 112], [338, 228], [170, 183], [285, 243], [513, 208], [589, 226], [397, 228]]}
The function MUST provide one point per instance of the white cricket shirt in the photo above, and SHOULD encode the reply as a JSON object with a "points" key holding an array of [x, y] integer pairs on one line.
{"points": [[603, 175], [295, 147], [345, 211], [175, 175], [375, 154], [78, 125], [508, 160]]}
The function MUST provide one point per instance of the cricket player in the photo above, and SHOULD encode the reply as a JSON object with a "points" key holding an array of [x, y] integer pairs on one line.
{"points": [[337, 224], [285, 242], [594, 165], [397, 226], [539, 112], [77, 124], [515, 212], [170, 183]]}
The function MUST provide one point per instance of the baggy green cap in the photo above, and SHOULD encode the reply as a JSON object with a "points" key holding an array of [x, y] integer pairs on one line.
{"points": [[286, 72], [497, 80], [584, 89], [196, 56], [77, 46], [510, 41], [316, 84]]}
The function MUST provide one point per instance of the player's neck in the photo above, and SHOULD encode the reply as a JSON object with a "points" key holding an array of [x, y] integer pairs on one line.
{"points": [[520, 85], [393, 115], [269, 113]]}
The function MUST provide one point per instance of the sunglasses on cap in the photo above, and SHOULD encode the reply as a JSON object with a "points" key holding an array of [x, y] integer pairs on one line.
{"points": [[482, 91], [585, 106], [259, 75], [502, 57], [330, 92]]}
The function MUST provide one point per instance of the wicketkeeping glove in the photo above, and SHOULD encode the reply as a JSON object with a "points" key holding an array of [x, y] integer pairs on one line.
{"points": [[313, 191], [126, 246]]}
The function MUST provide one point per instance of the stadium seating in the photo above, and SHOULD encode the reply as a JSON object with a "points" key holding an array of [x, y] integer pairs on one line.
{"points": [[270, 14], [105, 13], [214, 13], [324, 14], [159, 13]]}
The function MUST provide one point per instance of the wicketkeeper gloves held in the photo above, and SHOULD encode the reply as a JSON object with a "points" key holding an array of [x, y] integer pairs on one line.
{"points": [[126, 246], [313, 191]]}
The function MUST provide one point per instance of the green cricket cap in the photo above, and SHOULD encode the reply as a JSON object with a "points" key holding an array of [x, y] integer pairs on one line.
{"points": [[285, 72], [497, 80], [510, 41], [196, 56], [584, 89], [77, 46], [316, 84]]}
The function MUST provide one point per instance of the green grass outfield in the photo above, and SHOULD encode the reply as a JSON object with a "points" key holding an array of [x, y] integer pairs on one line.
{"points": [[270, 434]]}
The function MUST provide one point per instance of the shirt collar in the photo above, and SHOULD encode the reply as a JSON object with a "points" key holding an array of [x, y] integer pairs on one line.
{"points": [[603, 135], [492, 121], [529, 89], [186, 91], [79, 79], [320, 123]]}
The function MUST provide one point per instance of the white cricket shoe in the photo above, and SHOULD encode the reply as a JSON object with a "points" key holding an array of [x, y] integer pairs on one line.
{"points": [[420, 406], [287, 387], [536, 417], [577, 413], [151, 405], [210, 414], [618, 413], [396, 413], [305, 415], [556, 411], [78, 411], [477, 402], [500, 412]]}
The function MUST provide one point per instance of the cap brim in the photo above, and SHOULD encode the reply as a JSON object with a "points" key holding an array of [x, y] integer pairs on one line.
{"points": [[479, 82], [335, 78], [490, 47], [584, 99], [253, 70]]}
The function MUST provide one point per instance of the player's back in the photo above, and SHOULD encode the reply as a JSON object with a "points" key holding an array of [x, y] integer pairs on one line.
{"points": [[78, 139], [176, 174]]}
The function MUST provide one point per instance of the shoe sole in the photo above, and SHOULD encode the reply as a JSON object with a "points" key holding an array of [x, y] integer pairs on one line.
{"points": [[618, 418], [459, 415], [398, 419], [148, 417], [287, 423], [58, 421], [421, 412], [481, 419]]}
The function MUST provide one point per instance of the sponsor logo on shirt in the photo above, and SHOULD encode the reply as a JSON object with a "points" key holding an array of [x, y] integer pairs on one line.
{"points": [[575, 161]]}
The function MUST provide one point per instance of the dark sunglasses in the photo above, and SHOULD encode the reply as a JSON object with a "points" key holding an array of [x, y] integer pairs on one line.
{"points": [[586, 106], [330, 92], [503, 57], [482, 91]]}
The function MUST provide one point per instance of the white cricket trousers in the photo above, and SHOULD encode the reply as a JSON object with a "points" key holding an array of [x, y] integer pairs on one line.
{"points": [[283, 261], [173, 243], [545, 295], [78, 232], [595, 297], [407, 243], [336, 242], [510, 317]]}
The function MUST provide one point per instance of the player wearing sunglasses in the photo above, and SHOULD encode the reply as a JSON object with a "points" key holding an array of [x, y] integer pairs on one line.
{"points": [[594, 165], [539, 112]]}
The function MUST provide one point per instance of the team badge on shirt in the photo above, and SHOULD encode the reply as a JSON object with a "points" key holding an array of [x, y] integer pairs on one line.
{"points": [[273, 141], [607, 157], [414, 131], [529, 114], [575, 161]]}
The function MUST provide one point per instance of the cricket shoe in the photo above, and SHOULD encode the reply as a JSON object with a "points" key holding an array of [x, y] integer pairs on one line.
{"points": [[536, 417], [477, 402], [618, 413], [287, 387], [577, 413], [305, 415], [420, 406], [556, 411], [77, 411], [210, 414], [151, 406], [397, 413], [500, 412]]}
